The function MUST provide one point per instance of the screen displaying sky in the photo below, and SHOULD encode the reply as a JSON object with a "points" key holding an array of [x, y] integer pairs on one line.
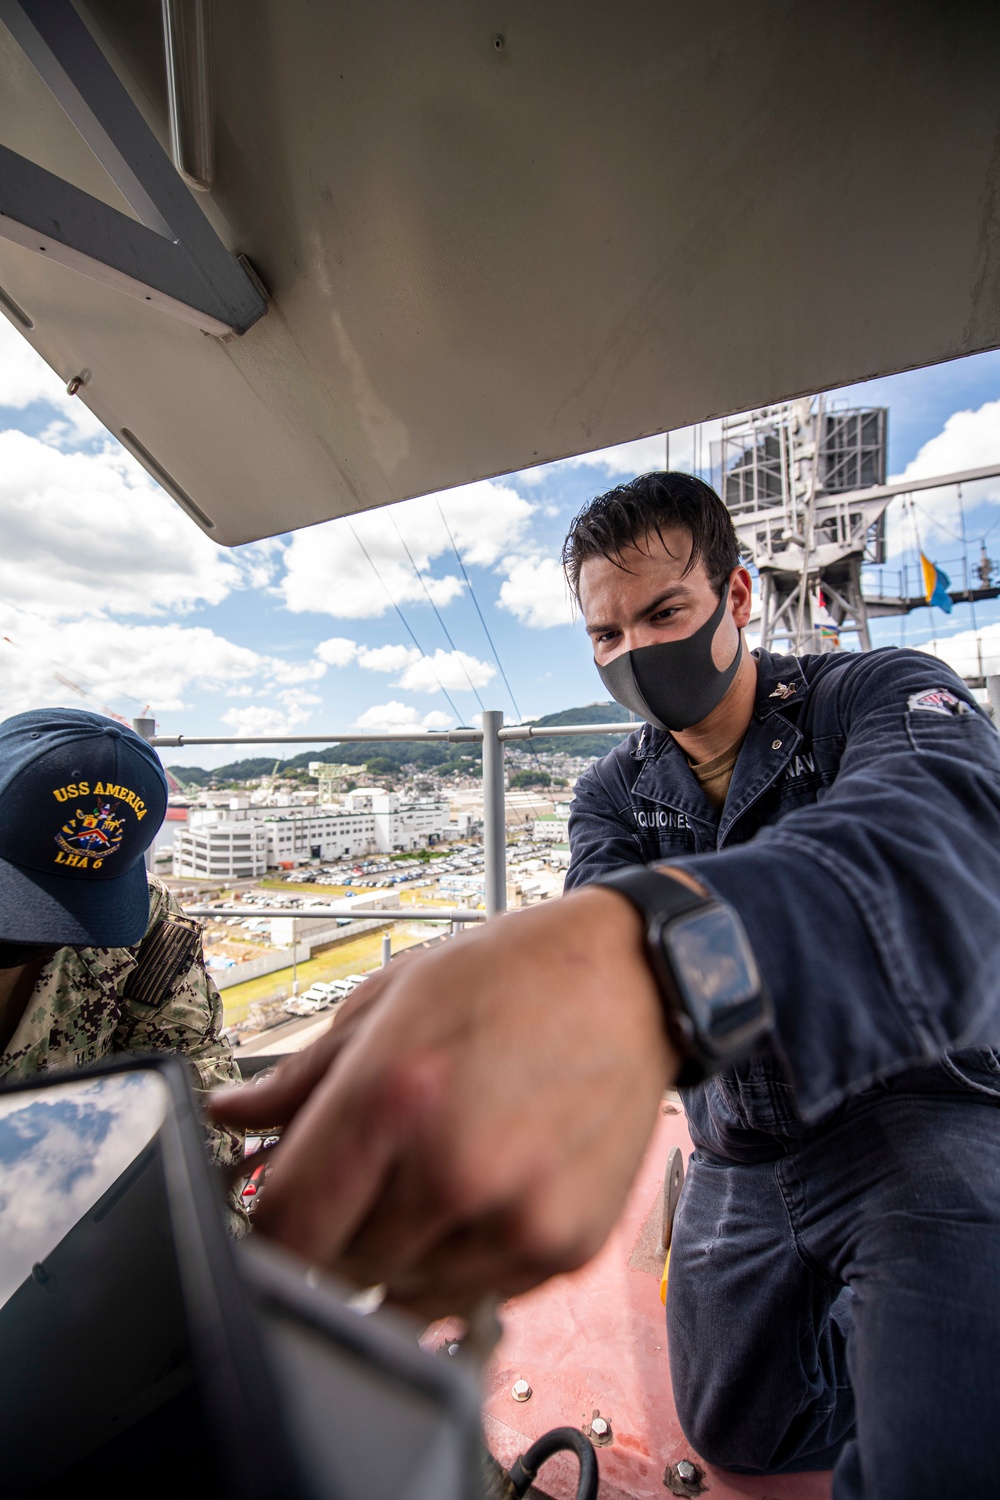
{"points": [[111, 599]]}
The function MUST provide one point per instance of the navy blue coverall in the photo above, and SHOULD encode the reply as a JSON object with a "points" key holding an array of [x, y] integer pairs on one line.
{"points": [[834, 1296]]}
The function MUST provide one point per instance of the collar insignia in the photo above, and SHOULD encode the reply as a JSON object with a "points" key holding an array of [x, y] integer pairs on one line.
{"points": [[783, 690]]}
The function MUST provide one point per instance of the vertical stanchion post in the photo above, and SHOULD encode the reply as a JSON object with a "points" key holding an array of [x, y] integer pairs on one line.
{"points": [[147, 728], [494, 814], [295, 962], [386, 949]]}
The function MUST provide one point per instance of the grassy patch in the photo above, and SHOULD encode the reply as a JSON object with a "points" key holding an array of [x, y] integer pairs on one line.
{"points": [[354, 956], [303, 888]]}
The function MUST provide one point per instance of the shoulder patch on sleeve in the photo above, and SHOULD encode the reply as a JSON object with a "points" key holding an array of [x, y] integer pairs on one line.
{"points": [[165, 953], [937, 701]]}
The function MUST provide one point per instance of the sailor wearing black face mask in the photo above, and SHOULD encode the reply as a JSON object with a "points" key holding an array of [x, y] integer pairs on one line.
{"points": [[791, 908], [823, 1229], [673, 684]]}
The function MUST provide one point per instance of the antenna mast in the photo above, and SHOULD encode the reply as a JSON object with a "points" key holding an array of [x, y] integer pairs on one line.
{"points": [[790, 477]]}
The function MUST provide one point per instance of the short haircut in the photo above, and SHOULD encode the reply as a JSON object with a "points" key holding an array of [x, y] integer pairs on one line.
{"points": [[630, 513]]}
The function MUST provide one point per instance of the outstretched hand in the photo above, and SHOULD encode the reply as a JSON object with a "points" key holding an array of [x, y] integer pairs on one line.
{"points": [[475, 1116]]}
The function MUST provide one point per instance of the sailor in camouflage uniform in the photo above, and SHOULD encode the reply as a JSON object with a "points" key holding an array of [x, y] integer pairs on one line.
{"points": [[96, 957]]}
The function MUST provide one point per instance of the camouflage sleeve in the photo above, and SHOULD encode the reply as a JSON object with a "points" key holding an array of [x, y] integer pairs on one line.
{"points": [[187, 1021]]}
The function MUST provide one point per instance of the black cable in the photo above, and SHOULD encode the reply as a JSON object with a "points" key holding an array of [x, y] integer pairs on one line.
{"points": [[936, 520], [406, 627], [496, 655], [524, 1470], [430, 601], [472, 596]]}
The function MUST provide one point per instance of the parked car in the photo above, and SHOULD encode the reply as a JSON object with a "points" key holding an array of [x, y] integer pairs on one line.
{"points": [[314, 999]]}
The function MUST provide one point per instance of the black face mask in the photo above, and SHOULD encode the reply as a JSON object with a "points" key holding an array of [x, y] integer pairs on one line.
{"points": [[673, 684]]}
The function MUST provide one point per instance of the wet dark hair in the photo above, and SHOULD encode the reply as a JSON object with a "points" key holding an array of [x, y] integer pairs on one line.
{"points": [[627, 515]]}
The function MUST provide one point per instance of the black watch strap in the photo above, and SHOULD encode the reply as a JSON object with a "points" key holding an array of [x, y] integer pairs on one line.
{"points": [[658, 897]]}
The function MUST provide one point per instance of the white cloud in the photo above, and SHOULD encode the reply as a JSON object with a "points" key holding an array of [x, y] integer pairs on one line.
{"points": [[968, 440], [387, 658], [970, 653], [637, 457], [24, 375], [326, 570], [338, 651], [285, 713], [455, 671], [298, 701], [536, 593], [25, 378], [113, 662], [486, 519], [62, 1149], [309, 671], [89, 533], [396, 716], [261, 719]]}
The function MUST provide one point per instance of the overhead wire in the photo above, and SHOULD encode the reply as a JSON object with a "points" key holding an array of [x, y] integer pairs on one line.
{"points": [[486, 629], [459, 655], [965, 568], [405, 623], [533, 749], [936, 520]]}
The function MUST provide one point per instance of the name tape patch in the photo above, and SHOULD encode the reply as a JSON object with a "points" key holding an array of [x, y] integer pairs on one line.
{"points": [[937, 701]]}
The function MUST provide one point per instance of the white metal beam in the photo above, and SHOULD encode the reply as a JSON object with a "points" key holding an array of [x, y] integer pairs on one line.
{"points": [[173, 257]]}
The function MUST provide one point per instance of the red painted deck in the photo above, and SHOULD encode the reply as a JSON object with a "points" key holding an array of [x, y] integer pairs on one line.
{"points": [[595, 1341]]}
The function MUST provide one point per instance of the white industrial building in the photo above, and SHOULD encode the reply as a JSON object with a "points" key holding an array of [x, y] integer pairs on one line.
{"points": [[241, 842], [295, 837], [552, 827], [401, 823], [220, 845]]}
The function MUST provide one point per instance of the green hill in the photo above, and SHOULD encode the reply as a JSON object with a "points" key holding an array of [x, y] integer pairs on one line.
{"points": [[437, 755], [584, 744]]}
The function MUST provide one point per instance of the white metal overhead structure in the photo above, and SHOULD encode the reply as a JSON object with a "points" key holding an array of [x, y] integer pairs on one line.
{"points": [[491, 236], [805, 484], [805, 488]]}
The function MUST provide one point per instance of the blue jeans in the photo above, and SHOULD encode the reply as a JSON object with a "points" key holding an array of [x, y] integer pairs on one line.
{"points": [[838, 1305]]}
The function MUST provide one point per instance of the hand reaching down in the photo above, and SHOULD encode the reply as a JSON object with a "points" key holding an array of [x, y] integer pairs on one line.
{"points": [[475, 1116]]}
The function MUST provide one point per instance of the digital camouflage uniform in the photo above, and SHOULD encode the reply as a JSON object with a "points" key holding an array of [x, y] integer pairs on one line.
{"points": [[78, 1014]]}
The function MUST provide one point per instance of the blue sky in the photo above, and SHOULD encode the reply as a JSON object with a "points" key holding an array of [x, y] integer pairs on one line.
{"points": [[106, 587]]}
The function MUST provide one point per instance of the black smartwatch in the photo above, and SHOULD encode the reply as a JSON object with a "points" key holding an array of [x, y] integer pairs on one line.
{"points": [[715, 1006]]}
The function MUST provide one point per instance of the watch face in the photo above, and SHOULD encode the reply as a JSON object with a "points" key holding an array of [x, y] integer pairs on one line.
{"points": [[714, 965]]}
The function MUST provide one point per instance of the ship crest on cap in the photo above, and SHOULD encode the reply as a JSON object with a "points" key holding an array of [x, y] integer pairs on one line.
{"points": [[89, 838]]}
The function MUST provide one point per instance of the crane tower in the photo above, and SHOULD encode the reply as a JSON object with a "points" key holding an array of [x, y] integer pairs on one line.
{"points": [[791, 476]]}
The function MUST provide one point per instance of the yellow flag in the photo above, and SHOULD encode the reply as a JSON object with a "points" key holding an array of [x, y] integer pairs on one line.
{"points": [[930, 576]]}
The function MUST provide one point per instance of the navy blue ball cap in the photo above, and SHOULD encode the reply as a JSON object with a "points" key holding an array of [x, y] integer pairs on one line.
{"points": [[81, 800]]}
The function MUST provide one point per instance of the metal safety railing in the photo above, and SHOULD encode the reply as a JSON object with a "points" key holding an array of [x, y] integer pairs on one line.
{"points": [[493, 736]]}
